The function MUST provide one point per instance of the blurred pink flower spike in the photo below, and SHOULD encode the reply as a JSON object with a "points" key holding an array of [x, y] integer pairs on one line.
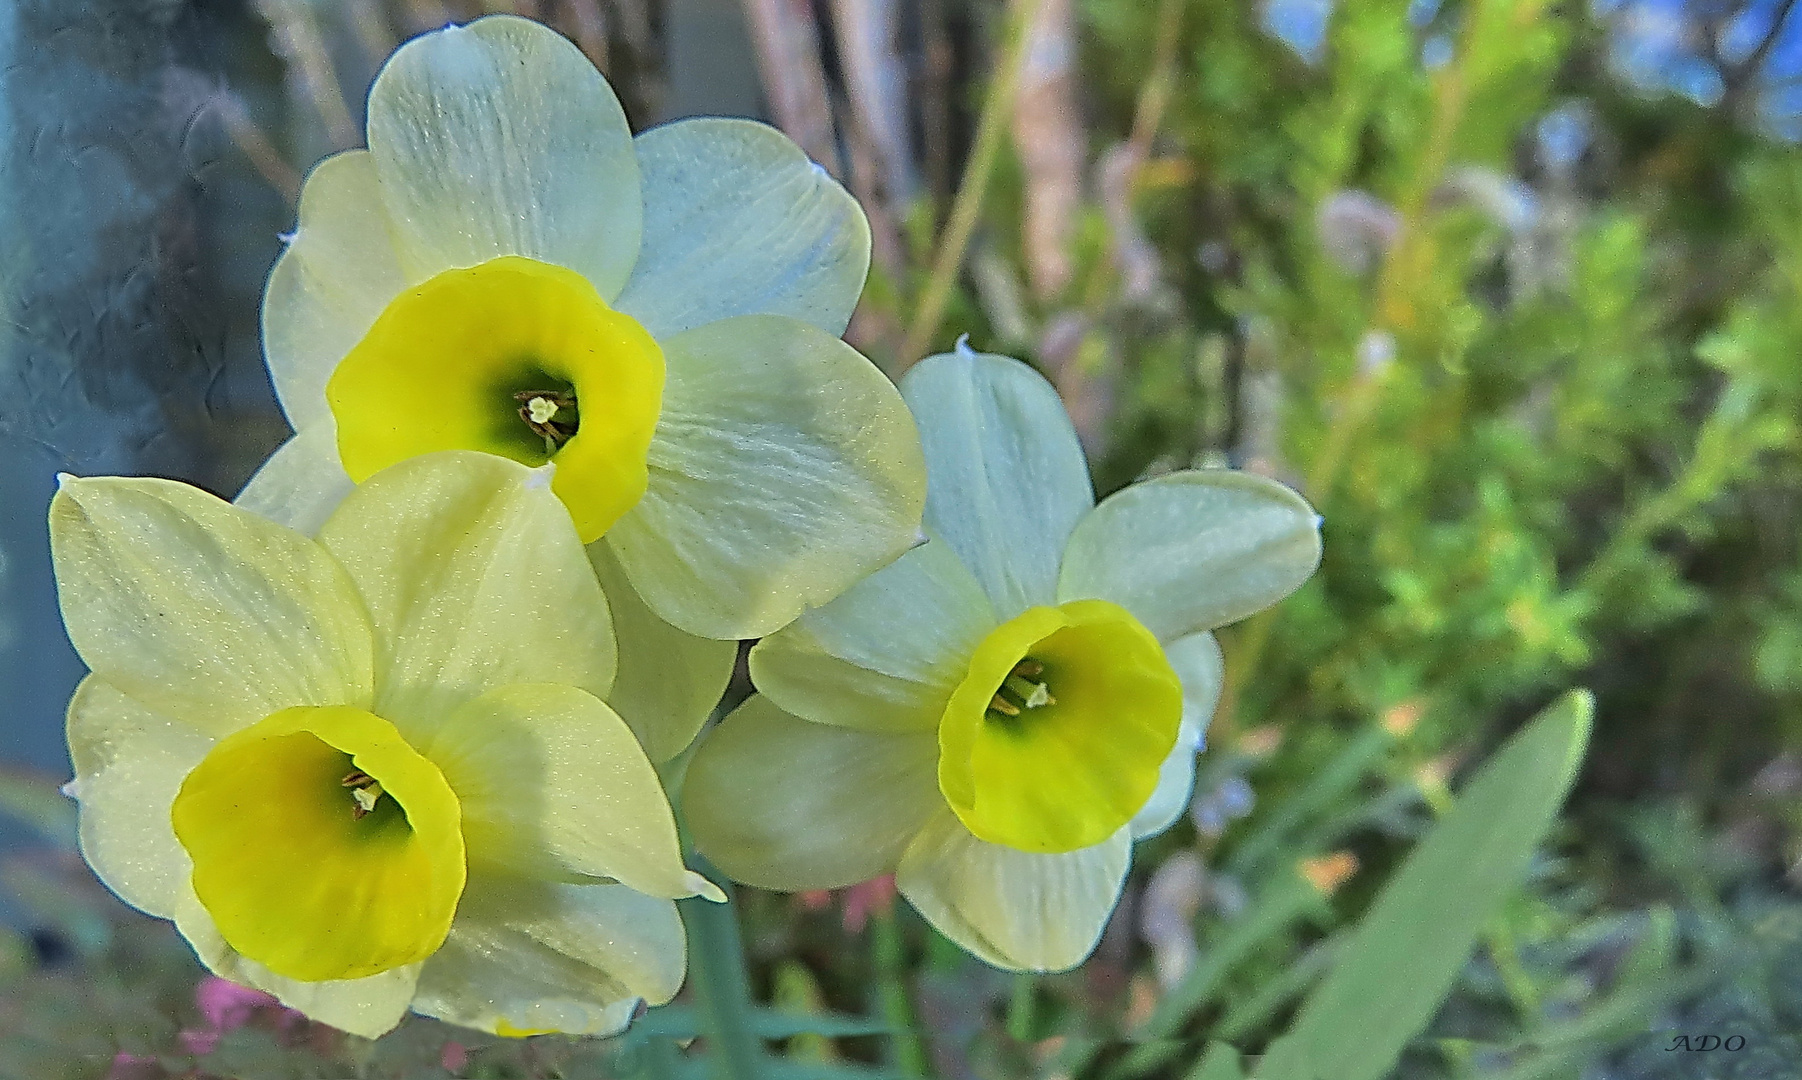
{"points": [[454, 1057], [135, 1067], [226, 1006], [861, 901]]}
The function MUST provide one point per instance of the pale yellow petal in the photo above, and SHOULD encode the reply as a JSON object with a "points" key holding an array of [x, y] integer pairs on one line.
{"points": [[337, 274], [1197, 663], [369, 1007], [784, 468], [737, 221], [1014, 909], [1193, 550], [474, 579], [129, 763], [887, 654], [553, 784], [500, 138], [201, 610], [669, 681], [781, 803], [1006, 478], [528, 957], [302, 483]]}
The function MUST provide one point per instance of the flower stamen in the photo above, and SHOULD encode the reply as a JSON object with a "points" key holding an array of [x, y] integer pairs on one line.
{"points": [[1020, 691], [364, 790], [551, 414]]}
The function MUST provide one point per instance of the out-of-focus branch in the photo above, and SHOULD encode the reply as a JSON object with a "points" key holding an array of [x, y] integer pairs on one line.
{"points": [[256, 147], [788, 57], [876, 87], [369, 21], [1049, 139], [965, 209], [425, 15], [588, 26], [297, 40]]}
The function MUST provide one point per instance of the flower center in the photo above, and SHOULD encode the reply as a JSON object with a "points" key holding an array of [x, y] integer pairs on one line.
{"points": [[1054, 738], [495, 358], [308, 882]]}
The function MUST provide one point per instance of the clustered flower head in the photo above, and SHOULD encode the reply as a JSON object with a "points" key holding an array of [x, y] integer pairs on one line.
{"points": [[571, 416]]}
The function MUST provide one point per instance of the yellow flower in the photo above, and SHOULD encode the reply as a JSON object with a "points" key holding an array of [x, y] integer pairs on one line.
{"points": [[998, 715], [373, 770], [507, 269]]}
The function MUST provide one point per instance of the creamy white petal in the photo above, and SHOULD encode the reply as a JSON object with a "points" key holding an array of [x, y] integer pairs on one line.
{"points": [[500, 138], [1015, 909], [369, 1007], [474, 578], [884, 656], [737, 221], [1006, 478], [525, 957], [129, 763], [337, 274], [1197, 662], [553, 784], [784, 468], [1193, 550], [302, 482], [782, 803], [669, 681], [201, 610]]}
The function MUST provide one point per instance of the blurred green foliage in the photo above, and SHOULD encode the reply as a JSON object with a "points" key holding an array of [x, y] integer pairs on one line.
{"points": [[1528, 338]]}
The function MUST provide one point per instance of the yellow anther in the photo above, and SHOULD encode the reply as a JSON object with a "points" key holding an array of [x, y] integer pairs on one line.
{"points": [[364, 790], [1004, 706]]}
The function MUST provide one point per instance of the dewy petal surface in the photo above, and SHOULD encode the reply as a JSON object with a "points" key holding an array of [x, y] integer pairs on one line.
{"points": [[554, 785], [369, 1007], [887, 654], [1193, 550], [474, 579], [737, 221], [201, 610], [669, 681], [500, 138], [527, 957], [129, 763], [1006, 478], [782, 803], [1015, 909], [302, 482], [338, 272], [784, 468], [1197, 662]]}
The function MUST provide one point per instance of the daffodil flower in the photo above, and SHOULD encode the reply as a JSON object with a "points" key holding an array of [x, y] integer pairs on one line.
{"points": [[998, 715], [507, 269], [373, 770]]}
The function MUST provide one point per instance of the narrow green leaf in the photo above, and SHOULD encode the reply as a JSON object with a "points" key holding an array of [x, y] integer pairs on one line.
{"points": [[1221, 1062], [1402, 958]]}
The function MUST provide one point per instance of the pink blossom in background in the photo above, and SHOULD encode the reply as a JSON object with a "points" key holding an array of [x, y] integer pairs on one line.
{"points": [[226, 1006], [135, 1067], [862, 900], [454, 1057]]}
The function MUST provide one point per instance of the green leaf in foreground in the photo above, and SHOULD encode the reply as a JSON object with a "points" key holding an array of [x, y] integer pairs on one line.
{"points": [[1402, 958]]}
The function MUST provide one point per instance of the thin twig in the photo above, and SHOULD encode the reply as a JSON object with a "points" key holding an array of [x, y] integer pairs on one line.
{"points": [[967, 206], [787, 40], [300, 42]]}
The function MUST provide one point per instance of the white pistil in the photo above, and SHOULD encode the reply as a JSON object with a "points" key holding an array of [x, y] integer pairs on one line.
{"points": [[541, 409]]}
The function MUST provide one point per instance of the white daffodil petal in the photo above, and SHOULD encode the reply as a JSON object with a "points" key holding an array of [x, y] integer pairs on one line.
{"points": [[1193, 550], [886, 655], [737, 221], [784, 468], [474, 578], [302, 482], [129, 763], [1015, 909], [1197, 662], [1006, 478], [528, 957], [369, 1007], [500, 138], [782, 803], [553, 784], [201, 610], [669, 681], [338, 273]]}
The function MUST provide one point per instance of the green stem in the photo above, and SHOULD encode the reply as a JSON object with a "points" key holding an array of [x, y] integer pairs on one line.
{"points": [[721, 985], [967, 205], [906, 1052]]}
